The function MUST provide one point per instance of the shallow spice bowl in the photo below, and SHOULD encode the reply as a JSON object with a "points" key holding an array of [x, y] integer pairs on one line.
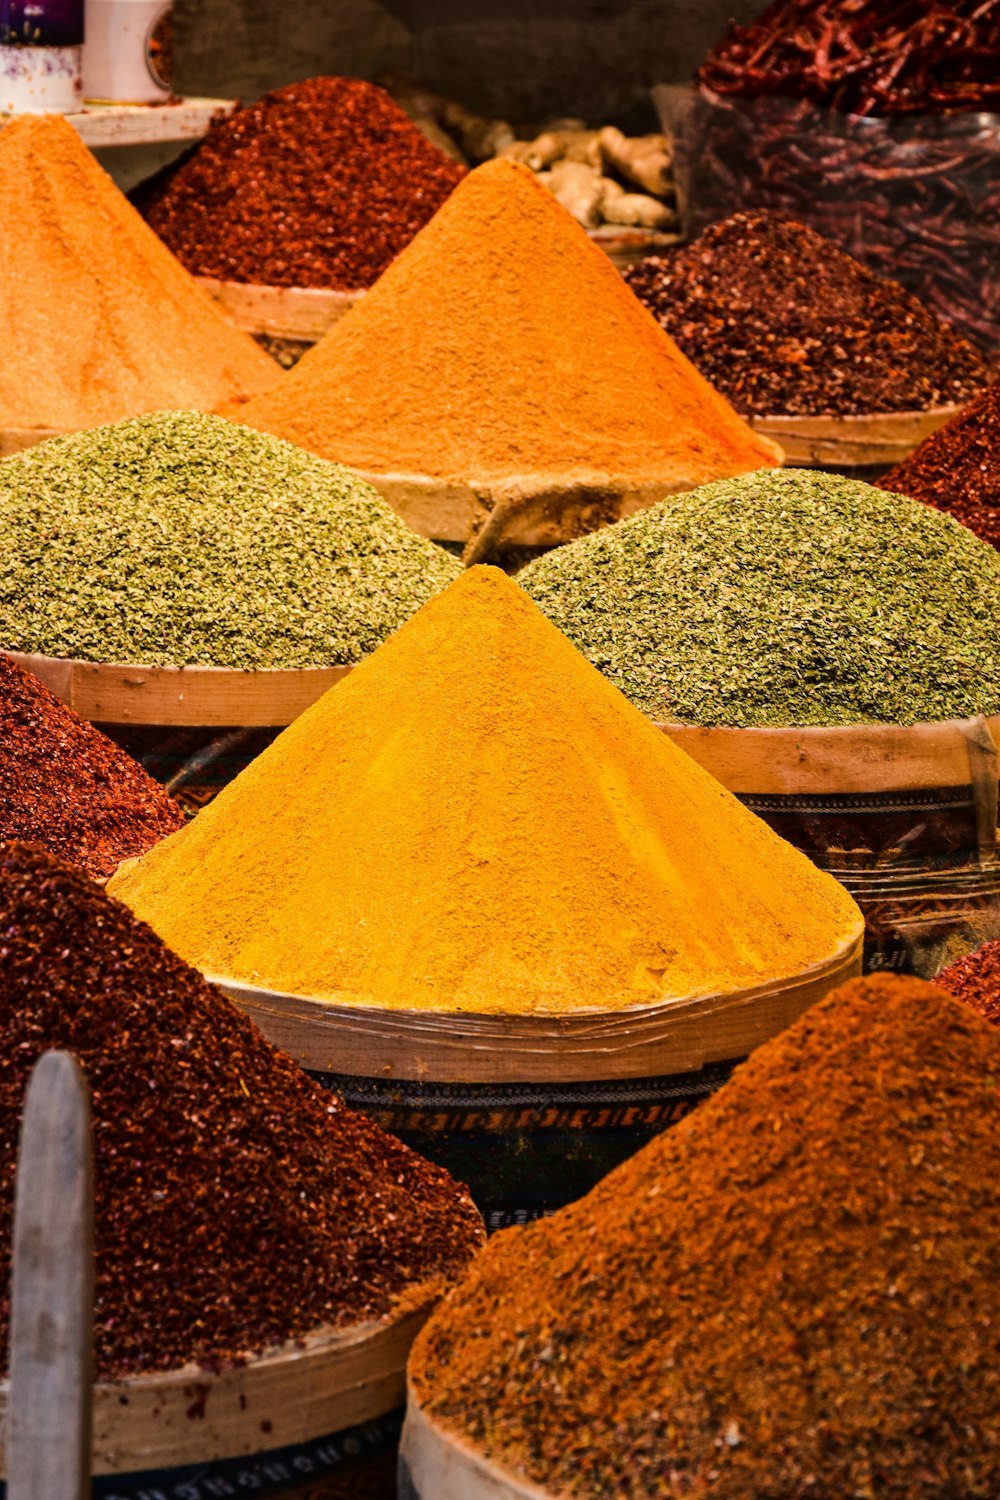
{"points": [[904, 816], [435, 1464], [854, 442], [112, 693], [303, 1410], [303, 313], [533, 1110]]}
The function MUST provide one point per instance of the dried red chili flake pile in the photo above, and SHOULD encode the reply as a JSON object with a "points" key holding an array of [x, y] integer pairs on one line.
{"points": [[883, 57], [957, 468], [782, 321], [65, 785], [976, 980], [796, 1291], [319, 184], [237, 1202]]}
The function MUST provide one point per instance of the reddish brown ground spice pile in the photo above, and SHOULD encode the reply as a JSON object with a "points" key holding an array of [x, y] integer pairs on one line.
{"points": [[975, 979], [957, 468], [318, 184], [781, 321], [237, 1202], [796, 1291], [65, 785]]}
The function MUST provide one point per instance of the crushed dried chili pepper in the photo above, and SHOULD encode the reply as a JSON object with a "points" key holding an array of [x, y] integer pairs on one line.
{"points": [[795, 1291], [320, 184], [782, 321], [237, 1203], [976, 980], [957, 468], [65, 785]]}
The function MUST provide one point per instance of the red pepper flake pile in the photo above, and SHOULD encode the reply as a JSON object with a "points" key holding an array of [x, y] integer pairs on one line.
{"points": [[781, 321], [65, 785], [795, 1291], [957, 468], [319, 184], [865, 57], [976, 980], [237, 1203]]}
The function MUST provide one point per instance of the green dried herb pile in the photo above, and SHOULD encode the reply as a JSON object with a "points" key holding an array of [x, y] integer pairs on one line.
{"points": [[783, 597], [795, 1291], [181, 538], [237, 1203]]}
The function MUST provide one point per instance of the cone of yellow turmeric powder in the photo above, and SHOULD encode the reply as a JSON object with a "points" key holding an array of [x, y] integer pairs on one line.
{"points": [[500, 376], [474, 865], [99, 320]]}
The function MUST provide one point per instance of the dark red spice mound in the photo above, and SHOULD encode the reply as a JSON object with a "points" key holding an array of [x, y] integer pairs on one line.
{"points": [[783, 322], [794, 1292], [883, 57], [975, 979], [319, 184], [957, 468], [67, 786], [237, 1202]]}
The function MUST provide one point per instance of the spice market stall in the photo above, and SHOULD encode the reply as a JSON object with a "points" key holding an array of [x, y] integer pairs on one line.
{"points": [[828, 650], [264, 1256], [533, 985]]}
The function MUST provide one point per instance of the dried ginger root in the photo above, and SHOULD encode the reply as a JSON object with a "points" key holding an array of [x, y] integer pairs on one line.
{"points": [[645, 160], [636, 209], [579, 189]]}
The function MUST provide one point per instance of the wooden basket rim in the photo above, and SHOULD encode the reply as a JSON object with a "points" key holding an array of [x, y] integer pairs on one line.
{"points": [[300, 313], [443, 1465], [872, 438]]}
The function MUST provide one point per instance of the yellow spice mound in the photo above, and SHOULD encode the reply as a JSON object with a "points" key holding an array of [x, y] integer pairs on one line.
{"points": [[99, 320], [475, 819], [503, 343]]}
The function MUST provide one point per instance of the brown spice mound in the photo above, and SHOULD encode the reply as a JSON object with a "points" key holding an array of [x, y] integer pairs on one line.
{"points": [[796, 1291], [783, 322], [237, 1203], [319, 184], [67, 786], [975, 979], [957, 468]]}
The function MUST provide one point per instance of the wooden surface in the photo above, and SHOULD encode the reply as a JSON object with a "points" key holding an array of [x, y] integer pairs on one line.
{"points": [[885, 438], [203, 696], [333, 1381], [282, 312], [16, 439], [843, 758], [625, 245], [465, 1047], [442, 1466], [52, 1304], [101, 125]]}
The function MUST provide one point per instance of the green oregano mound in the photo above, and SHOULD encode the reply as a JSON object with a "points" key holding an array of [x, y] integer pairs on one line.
{"points": [[180, 538], [784, 597]]}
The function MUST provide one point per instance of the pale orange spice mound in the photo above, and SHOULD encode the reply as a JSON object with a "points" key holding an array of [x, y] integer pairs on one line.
{"points": [[99, 320], [502, 343]]}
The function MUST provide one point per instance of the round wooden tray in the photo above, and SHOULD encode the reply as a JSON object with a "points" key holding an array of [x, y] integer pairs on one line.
{"points": [[625, 246], [885, 438], [109, 693], [283, 312], [468, 1047], [16, 439], [436, 1464], [330, 1382], [531, 511]]}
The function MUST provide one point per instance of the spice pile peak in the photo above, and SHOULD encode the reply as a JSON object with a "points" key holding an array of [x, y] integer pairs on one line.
{"points": [[66, 786], [502, 343], [237, 1203], [475, 820], [794, 1291], [99, 320]]}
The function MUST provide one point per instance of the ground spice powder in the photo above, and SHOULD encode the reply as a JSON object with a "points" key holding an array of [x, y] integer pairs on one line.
{"points": [[957, 468], [99, 320], [236, 1202], [319, 184], [783, 598], [794, 1291], [182, 538], [476, 820], [781, 321], [503, 343], [66, 786], [976, 980]]}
